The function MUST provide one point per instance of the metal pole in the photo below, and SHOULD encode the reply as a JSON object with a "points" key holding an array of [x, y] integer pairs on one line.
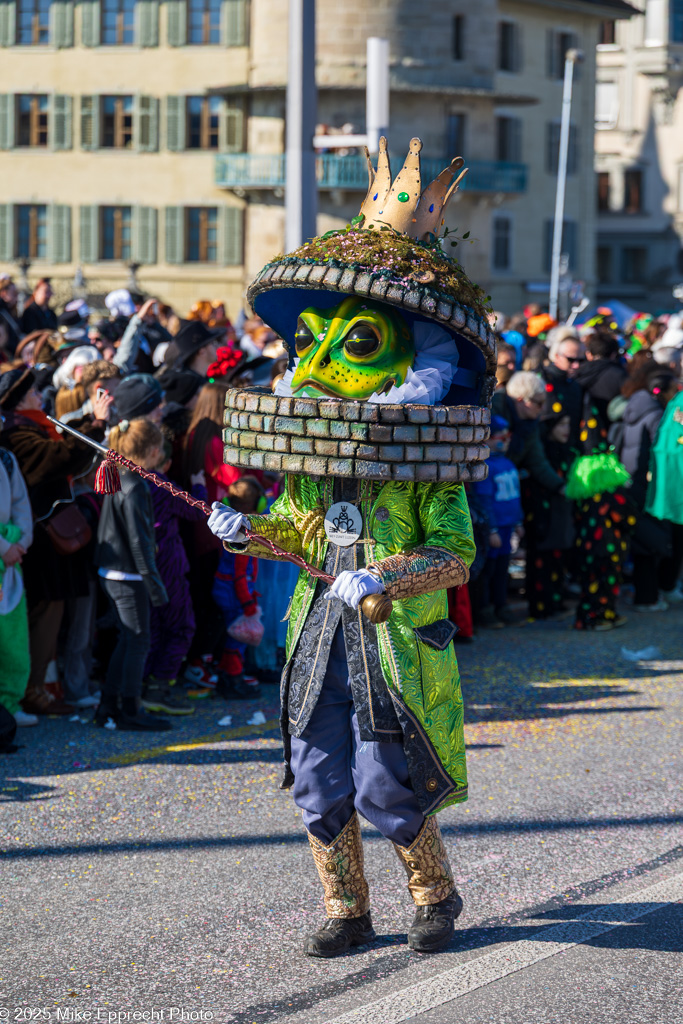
{"points": [[572, 57], [377, 91], [301, 188]]}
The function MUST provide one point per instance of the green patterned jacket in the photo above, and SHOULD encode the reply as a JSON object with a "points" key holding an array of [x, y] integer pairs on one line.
{"points": [[420, 543]]}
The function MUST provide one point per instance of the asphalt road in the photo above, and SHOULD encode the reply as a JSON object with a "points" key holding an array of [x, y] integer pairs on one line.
{"points": [[170, 874]]}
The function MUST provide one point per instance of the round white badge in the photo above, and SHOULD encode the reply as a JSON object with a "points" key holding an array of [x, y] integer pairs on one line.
{"points": [[343, 524]]}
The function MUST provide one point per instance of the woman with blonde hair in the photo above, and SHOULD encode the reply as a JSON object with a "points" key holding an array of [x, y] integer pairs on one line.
{"points": [[125, 557]]}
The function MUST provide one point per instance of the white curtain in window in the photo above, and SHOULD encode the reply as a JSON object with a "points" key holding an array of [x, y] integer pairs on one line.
{"points": [[606, 105]]}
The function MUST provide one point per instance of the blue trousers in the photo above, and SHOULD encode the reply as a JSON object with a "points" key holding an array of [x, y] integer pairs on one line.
{"points": [[335, 772]]}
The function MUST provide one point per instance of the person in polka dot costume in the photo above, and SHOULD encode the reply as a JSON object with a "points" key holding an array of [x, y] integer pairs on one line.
{"points": [[605, 517]]}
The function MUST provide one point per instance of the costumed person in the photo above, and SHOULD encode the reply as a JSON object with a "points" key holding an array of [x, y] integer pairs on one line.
{"points": [[376, 423], [16, 536], [598, 484], [665, 492]]}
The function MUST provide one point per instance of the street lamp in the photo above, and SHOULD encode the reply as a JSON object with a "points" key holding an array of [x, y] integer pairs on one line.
{"points": [[572, 58]]}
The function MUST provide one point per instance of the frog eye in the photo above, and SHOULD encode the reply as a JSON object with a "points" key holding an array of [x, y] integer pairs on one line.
{"points": [[303, 338], [363, 340]]}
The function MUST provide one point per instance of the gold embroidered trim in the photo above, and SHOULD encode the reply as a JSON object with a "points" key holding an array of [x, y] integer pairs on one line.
{"points": [[430, 878], [340, 867], [320, 640], [420, 571]]}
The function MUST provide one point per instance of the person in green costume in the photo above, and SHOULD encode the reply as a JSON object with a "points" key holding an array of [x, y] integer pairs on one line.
{"points": [[16, 536], [390, 348], [665, 491]]}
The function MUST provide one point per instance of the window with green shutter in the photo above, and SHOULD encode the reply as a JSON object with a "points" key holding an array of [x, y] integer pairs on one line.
{"points": [[176, 123], [176, 14], [61, 135], [59, 233], [8, 23], [33, 22], [234, 23], [146, 132], [6, 232], [174, 234], [231, 236], [118, 22], [147, 22], [91, 23], [116, 232], [62, 23], [145, 234], [7, 120], [88, 234], [90, 122], [201, 234], [30, 231]]}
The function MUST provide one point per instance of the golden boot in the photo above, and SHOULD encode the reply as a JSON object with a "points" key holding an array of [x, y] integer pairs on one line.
{"points": [[431, 884], [346, 893]]}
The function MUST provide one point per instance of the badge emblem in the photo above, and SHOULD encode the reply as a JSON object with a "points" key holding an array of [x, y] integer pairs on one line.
{"points": [[343, 524]]}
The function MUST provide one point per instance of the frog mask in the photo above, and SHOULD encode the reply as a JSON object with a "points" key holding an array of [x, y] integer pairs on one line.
{"points": [[353, 350]]}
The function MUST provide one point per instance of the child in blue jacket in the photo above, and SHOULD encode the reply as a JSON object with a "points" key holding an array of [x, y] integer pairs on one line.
{"points": [[499, 494]]}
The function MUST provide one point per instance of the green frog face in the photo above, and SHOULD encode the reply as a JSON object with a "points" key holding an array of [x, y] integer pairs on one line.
{"points": [[352, 350]]}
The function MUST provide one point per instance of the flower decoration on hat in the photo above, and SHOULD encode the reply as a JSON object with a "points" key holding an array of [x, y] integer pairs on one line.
{"points": [[227, 358]]}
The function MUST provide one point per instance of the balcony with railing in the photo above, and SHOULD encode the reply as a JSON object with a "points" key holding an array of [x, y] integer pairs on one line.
{"points": [[246, 171]]}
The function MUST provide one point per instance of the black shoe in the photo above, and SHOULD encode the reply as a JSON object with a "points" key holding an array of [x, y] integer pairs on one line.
{"points": [[133, 718], [487, 619], [142, 722], [338, 934], [106, 712], [161, 696], [236, 688], [433, 926], [505, 616]]}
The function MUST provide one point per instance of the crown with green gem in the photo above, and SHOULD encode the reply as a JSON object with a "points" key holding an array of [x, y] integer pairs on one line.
{"points": [[401, 205]]}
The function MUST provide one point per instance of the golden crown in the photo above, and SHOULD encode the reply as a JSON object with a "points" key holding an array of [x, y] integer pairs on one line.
{"points": [[401, 206]]}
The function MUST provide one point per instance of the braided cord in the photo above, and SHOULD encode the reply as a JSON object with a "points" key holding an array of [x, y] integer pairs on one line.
{"points": [[177, 492]]}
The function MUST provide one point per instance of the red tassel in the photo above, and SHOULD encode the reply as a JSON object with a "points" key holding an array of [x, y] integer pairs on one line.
{"points": [[107, 480]]}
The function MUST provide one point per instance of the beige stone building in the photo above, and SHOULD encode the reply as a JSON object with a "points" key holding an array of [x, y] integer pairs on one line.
{"points": [[639, 157], [153, 132]]}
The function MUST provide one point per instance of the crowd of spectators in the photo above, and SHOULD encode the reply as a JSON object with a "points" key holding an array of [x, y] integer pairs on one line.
{"points": [[129, 606], [564, 392], [123, 603]]}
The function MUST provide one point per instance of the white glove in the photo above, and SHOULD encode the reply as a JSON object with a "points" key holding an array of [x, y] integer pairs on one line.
{"points": [[352, 587], [227, 524]]}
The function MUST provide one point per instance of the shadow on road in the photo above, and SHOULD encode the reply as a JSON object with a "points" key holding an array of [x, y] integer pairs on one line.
{"points": [[300, 838]]}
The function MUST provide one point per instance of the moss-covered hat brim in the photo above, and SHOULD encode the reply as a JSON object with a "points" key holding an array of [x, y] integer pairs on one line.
{"points": [[419, 280]]}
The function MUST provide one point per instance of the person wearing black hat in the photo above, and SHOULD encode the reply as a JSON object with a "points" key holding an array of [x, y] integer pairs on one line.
{"points": [[46, 460], [73, 316], [196, 346], [139, 395]]}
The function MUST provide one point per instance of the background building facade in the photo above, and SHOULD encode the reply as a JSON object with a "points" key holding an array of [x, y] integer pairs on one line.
{"points": [[639, 157], [153, 132]]}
